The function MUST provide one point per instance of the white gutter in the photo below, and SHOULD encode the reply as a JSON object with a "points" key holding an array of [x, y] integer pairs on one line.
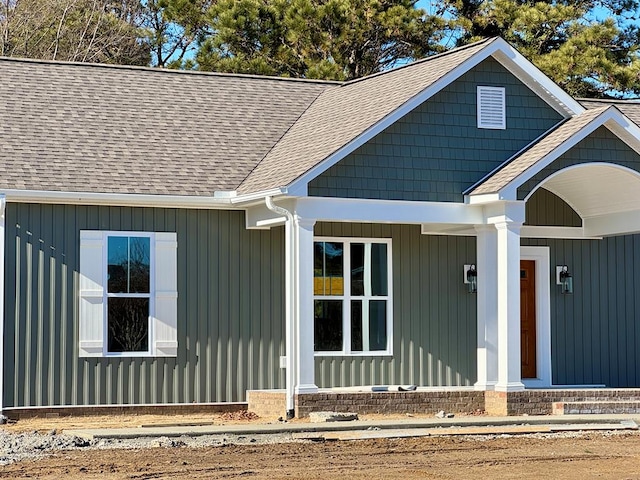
{"points": [[117, 199], [250, 197], [3, 204], [290, 302]]}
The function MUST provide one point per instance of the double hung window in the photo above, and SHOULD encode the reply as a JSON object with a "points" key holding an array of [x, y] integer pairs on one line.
{"points": [[128, 294], [352, 296]]}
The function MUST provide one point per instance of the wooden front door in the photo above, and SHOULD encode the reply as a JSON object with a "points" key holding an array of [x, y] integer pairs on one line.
{"points": [[528, 318]]}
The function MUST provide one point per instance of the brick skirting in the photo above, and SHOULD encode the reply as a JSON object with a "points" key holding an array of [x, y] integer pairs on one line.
{"points": [[271, 403], [154, 409]]}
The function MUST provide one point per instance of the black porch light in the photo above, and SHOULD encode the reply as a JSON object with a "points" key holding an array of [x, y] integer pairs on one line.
{"points": [[565, 280], [471, 278]]}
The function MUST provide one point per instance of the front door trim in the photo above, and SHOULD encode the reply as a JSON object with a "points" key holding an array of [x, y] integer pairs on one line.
{"points": [[543, 315]]}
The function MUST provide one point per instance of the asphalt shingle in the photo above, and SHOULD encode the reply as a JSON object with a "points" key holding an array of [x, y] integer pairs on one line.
{"points": [[93, 128], [341, 114]]}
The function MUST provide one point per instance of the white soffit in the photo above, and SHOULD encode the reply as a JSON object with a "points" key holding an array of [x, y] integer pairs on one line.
{"points": [[597, 189]]}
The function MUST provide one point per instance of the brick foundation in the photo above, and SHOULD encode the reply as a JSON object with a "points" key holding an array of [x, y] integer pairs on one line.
{"points": [[429, 402], [155, 409], [268, 404], [271, 404]]}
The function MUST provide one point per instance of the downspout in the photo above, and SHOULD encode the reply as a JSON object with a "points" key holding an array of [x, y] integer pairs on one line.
{"points": [[290, 302], [3, 204]]}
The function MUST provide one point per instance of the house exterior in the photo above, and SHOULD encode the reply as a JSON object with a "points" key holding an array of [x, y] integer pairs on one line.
{"points": [[179, 237]]}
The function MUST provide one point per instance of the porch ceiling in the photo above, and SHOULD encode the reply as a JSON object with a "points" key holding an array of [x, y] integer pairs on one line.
{"points": [[594, 190], [599, 192]]}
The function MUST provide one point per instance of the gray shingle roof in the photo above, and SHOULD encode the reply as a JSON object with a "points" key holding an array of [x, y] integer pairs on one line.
{"points": [[631, 108], [519, 164], [341, 114], [90, 128], [106, 129]]}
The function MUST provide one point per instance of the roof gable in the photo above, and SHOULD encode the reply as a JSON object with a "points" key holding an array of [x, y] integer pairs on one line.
{"points": [[344, 118], [503, 183], [437, 150]]}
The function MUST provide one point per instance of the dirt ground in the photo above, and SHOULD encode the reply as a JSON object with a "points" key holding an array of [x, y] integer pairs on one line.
{"points": [[606, 455]]}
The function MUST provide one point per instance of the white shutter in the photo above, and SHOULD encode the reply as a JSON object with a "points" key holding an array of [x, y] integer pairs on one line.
{"points": [[92, 277], [165, 341], [491, 108]]}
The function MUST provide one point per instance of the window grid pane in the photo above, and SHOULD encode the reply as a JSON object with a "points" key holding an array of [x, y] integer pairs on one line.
{"points": [[128, 324], [328, 268], [327, 326], [365, 317]]}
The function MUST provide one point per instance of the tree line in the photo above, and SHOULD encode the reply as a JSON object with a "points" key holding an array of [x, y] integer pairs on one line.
{"points": [[588, 47]]}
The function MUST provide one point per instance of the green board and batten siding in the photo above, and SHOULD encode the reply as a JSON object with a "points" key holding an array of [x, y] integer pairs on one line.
{"points": [[437, 151], [230, 310], [595, 332], [434, 316]]}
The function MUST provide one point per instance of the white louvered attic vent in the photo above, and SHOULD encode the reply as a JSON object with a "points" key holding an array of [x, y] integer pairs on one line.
{"points": [[491, 108]]}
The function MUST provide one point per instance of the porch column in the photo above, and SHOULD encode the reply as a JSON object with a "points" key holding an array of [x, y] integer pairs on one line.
{"points": [[303, 322], [487, 267], [508, 292]]}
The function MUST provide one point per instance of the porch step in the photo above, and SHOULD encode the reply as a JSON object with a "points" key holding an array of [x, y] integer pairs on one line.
{"points": [[597, 407]]}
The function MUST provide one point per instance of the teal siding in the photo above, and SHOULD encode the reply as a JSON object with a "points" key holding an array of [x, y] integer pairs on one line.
{"points": [[230, 310], [436, 152], [546, 208], [434, 316], [600, 146], [595, 332]]}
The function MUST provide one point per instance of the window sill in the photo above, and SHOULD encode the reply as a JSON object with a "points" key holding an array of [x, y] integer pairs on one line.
{"points": [[377, 353]]}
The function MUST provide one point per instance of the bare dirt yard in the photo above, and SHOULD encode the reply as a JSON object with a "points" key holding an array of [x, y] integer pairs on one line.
{"points": [[575, 455]]}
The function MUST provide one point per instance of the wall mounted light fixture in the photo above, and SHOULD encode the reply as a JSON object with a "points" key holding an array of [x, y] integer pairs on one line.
{"points": [[471, 278], [564, 279]]}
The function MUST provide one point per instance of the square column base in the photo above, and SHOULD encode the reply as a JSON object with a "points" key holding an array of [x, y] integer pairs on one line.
{"points": [[304, 389], [503, 404]]}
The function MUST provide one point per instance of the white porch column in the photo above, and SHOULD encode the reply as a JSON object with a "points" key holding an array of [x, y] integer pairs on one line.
{"points": [[487, 267], [508, 291], [303, 322]]}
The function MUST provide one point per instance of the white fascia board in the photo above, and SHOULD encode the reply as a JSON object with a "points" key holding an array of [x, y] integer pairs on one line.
{"points": [[117, 199], [510, 191], [620, 223], [300, 184], [388, 211], [626, 130], [481, 199], [451, 230], [565, 233], [533, 77], [527, 231]]}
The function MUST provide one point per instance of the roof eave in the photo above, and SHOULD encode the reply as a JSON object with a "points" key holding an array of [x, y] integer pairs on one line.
{"points": [[116, 199]]}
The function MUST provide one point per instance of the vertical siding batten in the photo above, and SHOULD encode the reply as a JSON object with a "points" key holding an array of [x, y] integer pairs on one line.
{"points": [[42, 366]]}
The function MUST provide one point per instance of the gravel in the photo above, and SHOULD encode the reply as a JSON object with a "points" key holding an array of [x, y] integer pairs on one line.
{"points": [[33, 445], [15, 447]]}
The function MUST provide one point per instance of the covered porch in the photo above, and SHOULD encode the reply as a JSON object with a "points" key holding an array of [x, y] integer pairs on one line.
{"points": [[602, 203]]}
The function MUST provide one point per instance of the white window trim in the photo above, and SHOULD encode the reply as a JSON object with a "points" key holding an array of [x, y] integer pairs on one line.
{"points": [[106, 295], [482, 122], [93, 294], [346, 298]]}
